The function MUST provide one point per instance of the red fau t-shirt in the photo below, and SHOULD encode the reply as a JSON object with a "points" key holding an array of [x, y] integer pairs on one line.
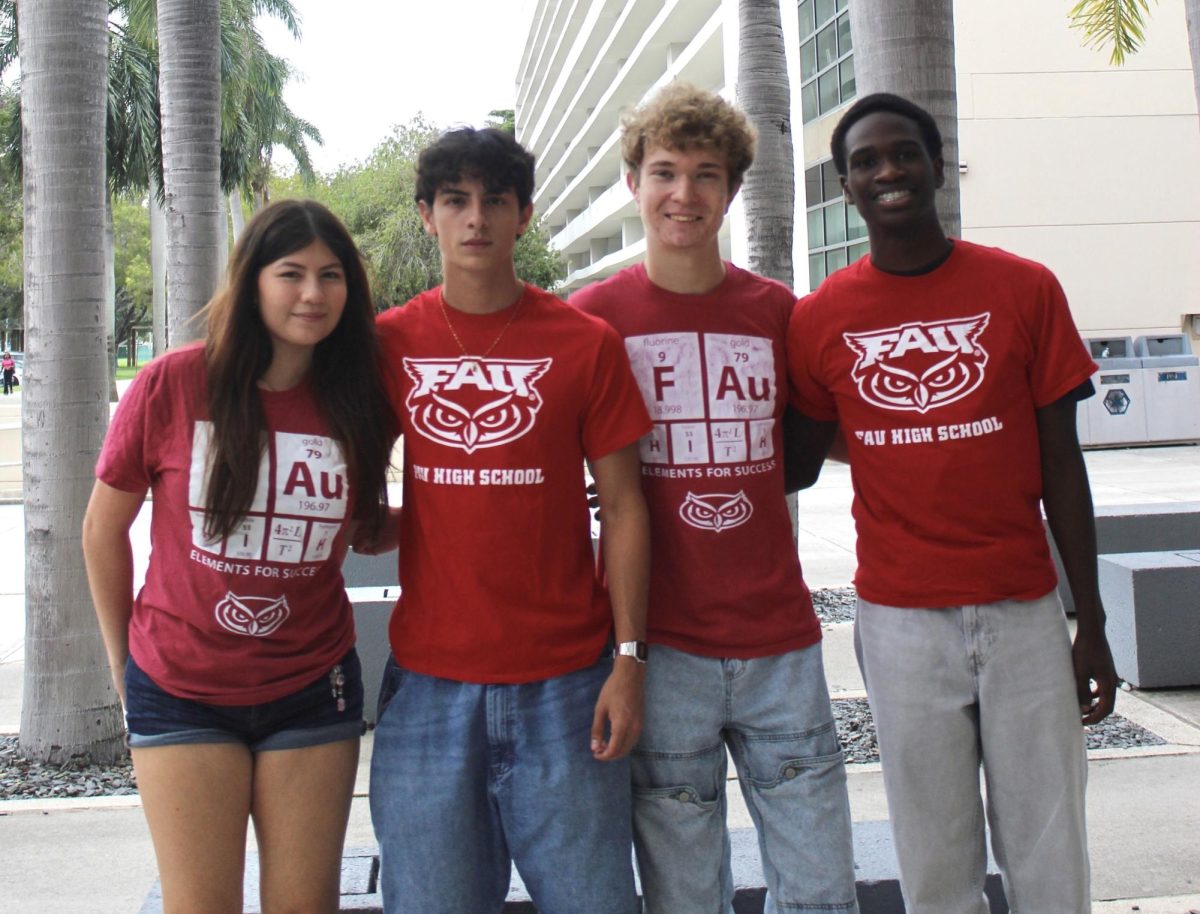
{"points": [[725, 577], [262, 613], [498, 581], [936, 380]]}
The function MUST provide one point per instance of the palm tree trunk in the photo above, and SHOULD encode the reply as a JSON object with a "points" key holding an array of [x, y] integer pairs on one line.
{"points": [[236, 215], [907, 47], [110, 298], [769, 189], [158, 271], [69, 708], [189, 35]]}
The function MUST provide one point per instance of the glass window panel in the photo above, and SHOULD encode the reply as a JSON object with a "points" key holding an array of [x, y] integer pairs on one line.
{"points": [[812, 186], [808, 59], [842, 4], [807, 24], [831, 184], [845, 42], [835, 223], [855, 227], [808, 102], [816, 229], [846, 73], [816, 269], [826, 46], [827, 91], [825, 10], [856, 251], [835, 260]]}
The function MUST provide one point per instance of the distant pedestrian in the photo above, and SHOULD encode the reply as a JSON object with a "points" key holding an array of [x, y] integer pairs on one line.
{"points": [[235, 662], [9, 367]]}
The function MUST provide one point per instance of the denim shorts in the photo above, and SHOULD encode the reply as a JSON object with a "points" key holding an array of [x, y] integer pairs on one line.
{"points": [[309, 717]]}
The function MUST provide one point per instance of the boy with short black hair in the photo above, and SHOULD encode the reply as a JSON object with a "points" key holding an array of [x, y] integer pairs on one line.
{"points": [[954, 370], [505, 718], [736, 660]]}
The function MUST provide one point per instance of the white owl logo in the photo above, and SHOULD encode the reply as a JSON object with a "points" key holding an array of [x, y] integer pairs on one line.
{"points": [[257, 617], [717, 512], [472, 403], [919, 366]]}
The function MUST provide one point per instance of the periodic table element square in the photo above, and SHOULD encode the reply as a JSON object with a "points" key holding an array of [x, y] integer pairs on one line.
{"points": [[198, 473], [741, 376], [320, 542], [246, 542], [689, 442], [199, 539], [310, 473], [762, 439], [728, 442], [667, 368], [653, 446], [286, 540]]}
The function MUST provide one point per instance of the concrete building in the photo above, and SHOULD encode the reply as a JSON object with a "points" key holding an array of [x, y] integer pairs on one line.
{"points": [[1091, 169]]}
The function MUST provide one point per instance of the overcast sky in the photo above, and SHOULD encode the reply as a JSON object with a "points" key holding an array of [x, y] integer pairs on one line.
{"points": [[368, 64]]}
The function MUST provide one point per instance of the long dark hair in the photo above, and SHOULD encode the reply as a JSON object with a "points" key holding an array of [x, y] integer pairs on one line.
{"points": [[238, 352]]}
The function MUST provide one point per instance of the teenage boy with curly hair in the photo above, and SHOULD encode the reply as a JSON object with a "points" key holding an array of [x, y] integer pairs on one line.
{"points": [[735, 663]]}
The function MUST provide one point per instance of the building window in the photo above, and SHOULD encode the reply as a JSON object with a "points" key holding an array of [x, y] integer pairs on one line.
{"points": [[826, 58], [836, 234]]}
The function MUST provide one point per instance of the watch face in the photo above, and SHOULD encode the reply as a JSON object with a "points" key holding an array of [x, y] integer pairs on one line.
{"points": [[635, 649]]}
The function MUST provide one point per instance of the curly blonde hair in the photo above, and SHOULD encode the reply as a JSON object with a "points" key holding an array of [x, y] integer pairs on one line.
{"points": [[680, 116]]}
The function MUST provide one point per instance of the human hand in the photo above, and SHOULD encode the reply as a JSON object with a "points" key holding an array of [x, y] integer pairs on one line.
{"points": [[619, 711], [1095, 676]]}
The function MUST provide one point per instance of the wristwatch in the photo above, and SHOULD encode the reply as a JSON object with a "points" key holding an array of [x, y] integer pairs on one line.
{"points": [[634, 649]]}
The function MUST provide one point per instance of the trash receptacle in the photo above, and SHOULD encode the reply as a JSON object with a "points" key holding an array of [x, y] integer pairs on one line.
{"points": [[1171, 384], [1117, 413]]}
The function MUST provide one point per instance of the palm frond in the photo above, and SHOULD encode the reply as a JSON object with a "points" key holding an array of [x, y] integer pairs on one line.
{"points": [[1120, 24]]}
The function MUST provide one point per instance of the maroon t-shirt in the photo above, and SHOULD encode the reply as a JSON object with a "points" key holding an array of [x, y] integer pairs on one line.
{"points": [[263, 613]]}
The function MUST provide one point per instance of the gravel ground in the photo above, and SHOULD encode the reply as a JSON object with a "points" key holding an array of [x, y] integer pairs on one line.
{"points": [[835, 604], [21, 779], [856, 731]]}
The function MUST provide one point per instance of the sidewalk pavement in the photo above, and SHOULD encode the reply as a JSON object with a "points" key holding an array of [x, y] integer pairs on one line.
{"points": [[95, 857]]}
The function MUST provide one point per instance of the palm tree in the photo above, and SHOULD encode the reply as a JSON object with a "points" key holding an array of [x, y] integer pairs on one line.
{"points": [[769, 189], [69, 708], [907, 47], [1120, 24], [189, 84]]}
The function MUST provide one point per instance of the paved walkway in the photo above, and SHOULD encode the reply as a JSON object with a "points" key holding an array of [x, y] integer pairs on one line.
{"points": [[1143, 805]]}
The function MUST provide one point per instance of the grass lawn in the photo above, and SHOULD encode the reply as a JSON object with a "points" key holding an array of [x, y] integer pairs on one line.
{"points": [[126, 374]]}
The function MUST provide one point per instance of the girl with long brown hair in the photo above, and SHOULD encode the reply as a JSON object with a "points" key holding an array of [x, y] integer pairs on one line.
{"points": [[266, 450]]}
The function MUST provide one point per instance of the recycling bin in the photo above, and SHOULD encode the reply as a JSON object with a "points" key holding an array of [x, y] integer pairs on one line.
{"points": [[1117, 413], [1171, 386]]}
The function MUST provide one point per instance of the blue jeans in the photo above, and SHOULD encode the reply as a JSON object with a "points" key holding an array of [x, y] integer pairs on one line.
{"points": [[774, 716], [992, 684], [468, 779]]}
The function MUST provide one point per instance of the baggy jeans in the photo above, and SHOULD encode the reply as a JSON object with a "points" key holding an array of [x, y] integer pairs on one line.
{"points": [[991, 685]]}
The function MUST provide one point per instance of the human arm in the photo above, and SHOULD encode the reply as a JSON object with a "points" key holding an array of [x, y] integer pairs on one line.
{"points": [[1068, 502], [386, 540], [625, 537], [108, 556], [805, 445]]}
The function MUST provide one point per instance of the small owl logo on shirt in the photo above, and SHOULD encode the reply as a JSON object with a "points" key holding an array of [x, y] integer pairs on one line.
{"points": [[717, 512], [257, 617]]}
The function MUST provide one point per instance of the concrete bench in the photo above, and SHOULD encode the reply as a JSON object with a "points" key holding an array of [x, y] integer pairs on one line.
{"points": [[1153, 605], [875, 866], [1168, 526]]}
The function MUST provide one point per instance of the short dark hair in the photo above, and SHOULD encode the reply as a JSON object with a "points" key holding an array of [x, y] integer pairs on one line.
{"points": [[494, 156], [884, 101]]}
